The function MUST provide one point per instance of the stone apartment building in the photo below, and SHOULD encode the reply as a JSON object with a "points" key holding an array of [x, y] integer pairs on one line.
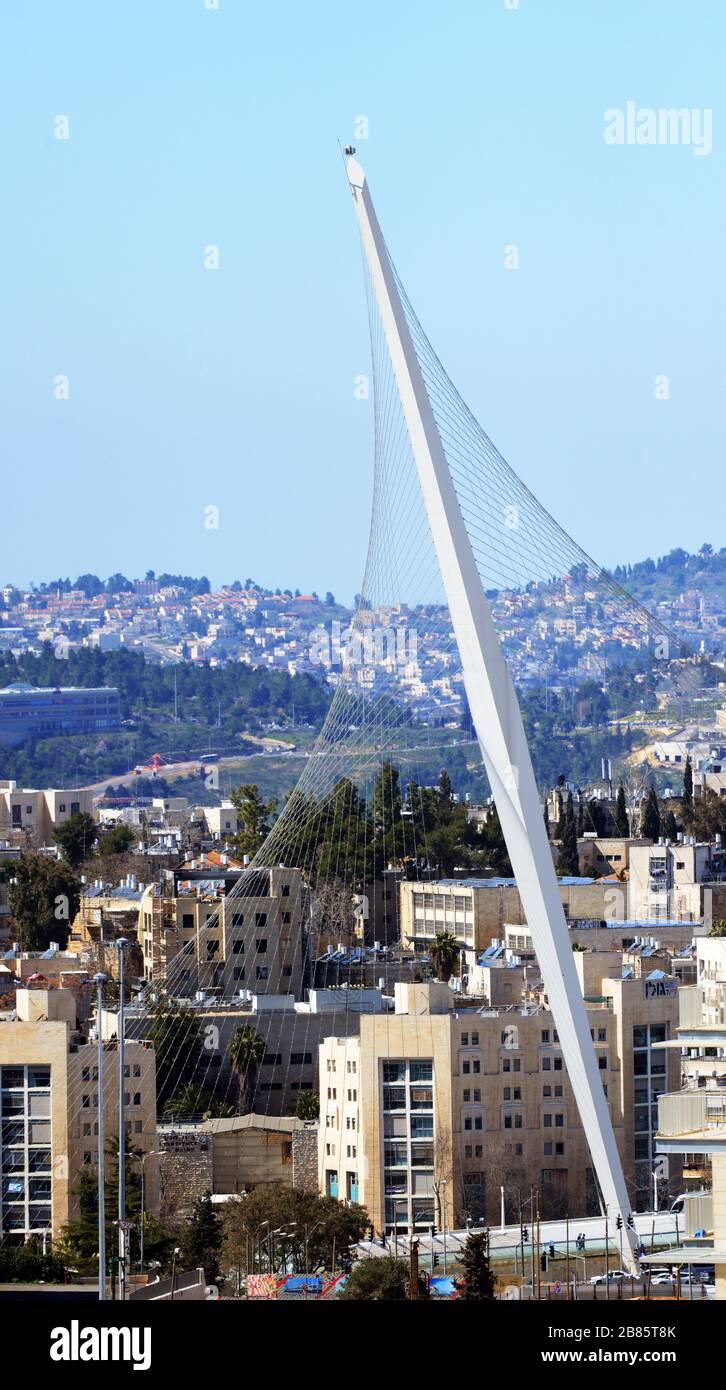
{"points": [[30, 816], [692, 1120], [679, 881], [426, 1113], [49, 1101], [225, 932], [475, 910]]}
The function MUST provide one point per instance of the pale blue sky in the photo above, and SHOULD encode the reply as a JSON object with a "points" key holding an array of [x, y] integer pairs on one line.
{"points": [[235, 388]]}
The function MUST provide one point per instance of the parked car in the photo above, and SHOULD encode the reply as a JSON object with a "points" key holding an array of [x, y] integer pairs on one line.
{"points": [[613, 1274]]}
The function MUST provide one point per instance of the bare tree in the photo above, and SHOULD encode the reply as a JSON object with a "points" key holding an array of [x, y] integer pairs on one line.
{"points": [[443, 1170]]}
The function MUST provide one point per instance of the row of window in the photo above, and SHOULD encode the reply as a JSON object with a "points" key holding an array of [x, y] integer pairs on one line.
{"points": [[91, 1073]]}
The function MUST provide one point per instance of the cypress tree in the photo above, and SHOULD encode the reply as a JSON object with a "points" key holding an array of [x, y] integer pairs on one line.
{"points": [[478, 1280], [202, 1240], [688, 792], [568, 861], [622, 824], [650, 817]]}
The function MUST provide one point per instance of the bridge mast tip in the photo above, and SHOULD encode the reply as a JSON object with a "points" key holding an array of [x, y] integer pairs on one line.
{"points": [[356, 175]]}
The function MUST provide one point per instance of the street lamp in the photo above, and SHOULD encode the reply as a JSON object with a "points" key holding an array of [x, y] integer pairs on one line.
{"points": [[177, 1251], [100, 980], [121, 944], [444, 1184], [151, 1153]]}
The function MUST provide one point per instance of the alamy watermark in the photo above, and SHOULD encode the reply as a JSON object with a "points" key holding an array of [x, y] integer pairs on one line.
{"points": [[663, 125], [363, 646]]}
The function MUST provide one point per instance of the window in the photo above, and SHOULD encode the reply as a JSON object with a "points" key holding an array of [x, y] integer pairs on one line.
{"points": [[187, 919], [465, 1040], [261, 972], [466, 1068], [602, 1063], [545, 1035], [261, 945], [475, 1039], [261, 920], [238, 948], [238, 919], [467, 1096], [546, 1092], [286, 890], [286, 918]]}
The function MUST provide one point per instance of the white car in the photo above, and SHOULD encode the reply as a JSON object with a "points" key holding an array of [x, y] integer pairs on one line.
{"points": [[613, 1274]]}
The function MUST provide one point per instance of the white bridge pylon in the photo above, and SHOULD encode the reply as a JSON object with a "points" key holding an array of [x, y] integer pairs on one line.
{"points": [[497, 719]]}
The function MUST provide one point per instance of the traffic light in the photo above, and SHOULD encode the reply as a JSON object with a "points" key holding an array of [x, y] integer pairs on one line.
{"points": [[543, 1260], [432, 1231], [525, 1234], [631, 1221], [552, 1251], [371, 1234], [619, 1222], [435, 1260]]}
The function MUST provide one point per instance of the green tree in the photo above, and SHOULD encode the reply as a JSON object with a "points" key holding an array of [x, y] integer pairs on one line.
{"points": [[687, 799], [568, 861], [384, 1279], [718, 928], [622, 824], [245, 1051], [253, 818], [670, 826], [444, 953], [177, 1037], [202, 1239], [477, 1283], [43, 897], [650, 816], [387, 823], [117, 840], [308, 1106], [318, 1230], [192, 1099], [76, 838]]}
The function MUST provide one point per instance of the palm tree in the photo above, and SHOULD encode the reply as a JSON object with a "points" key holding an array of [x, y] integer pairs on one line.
{"points": [[246, 1051], [444, 954]]}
